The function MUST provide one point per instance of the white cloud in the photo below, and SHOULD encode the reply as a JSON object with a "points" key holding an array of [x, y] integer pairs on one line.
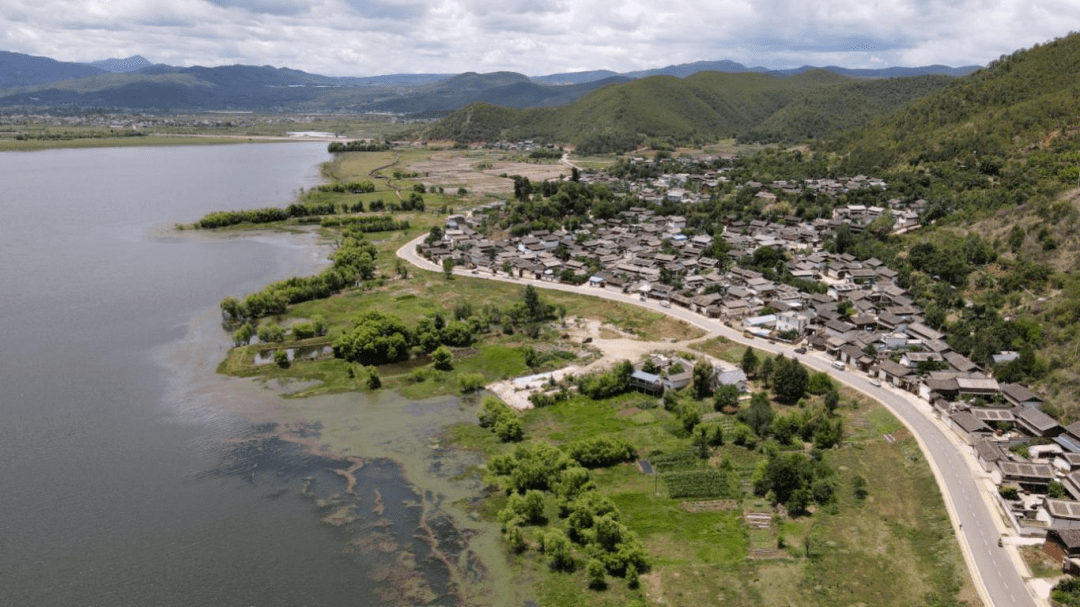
{"points": [[366, 37]]}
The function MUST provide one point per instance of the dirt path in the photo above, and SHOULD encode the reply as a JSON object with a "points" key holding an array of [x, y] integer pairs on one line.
{"points": [[389, 181], [612, 345]]}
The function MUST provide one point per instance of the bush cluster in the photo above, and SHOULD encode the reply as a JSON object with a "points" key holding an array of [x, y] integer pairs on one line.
{"points": [[502, 420], [535, 470]]}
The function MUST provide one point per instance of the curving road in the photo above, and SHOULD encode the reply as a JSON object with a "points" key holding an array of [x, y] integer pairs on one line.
{"points": [[994, 569]]}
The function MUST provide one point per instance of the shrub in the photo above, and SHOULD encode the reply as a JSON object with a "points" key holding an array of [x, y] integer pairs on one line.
{"points": [[556, 546], [510, 429], [271, 332], [498, 416], [243, 335], [595, 573], [442, 358], [281, 357], [470, 382], [601, 451], [1067, 593], [303, 330]]}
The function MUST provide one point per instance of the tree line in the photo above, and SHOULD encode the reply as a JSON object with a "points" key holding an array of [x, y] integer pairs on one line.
{"points": [[353, 260], [337, 147]]}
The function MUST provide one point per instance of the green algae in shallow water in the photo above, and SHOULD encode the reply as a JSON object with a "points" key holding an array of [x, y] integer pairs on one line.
{"points": [[394, 495]]}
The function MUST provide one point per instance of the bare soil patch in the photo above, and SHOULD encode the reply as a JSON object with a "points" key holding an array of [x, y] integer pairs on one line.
{"points": [[460, 170]]}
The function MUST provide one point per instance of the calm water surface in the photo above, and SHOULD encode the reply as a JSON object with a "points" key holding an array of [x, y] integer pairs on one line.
{"points": [[117, 485]]}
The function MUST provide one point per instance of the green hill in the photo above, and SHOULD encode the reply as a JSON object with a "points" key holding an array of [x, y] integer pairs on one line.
{"points": [[1009, 111], [703, 107], [843, 105], [997, 156]]}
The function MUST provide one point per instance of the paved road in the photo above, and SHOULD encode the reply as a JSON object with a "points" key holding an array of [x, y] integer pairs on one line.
{"points": [[992, 567]]}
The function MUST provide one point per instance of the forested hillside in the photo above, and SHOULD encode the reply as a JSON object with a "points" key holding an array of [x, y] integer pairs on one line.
{"points": [[700, 108], [997, 157]]}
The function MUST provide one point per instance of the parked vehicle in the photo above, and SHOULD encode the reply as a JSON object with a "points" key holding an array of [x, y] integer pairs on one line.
{"points": [[800, 350], [839, 365], [875, 382]]}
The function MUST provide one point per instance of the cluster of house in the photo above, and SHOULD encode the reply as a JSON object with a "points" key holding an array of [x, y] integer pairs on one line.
{"points": [[1027, 451], [527, 145], [864, 319], [659, 373]]}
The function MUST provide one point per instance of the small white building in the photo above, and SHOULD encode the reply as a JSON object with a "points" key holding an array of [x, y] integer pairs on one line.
{"points": [[791, 321]]}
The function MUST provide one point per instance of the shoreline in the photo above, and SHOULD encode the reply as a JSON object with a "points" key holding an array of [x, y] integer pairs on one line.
{"points": [[354, 427], [152, 140]]}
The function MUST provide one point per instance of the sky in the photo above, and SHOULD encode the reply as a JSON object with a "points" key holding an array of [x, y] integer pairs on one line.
{"points": [[534, 37]]}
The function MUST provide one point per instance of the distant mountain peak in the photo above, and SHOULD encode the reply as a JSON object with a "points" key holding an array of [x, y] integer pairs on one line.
{"points": [[131, 64]]}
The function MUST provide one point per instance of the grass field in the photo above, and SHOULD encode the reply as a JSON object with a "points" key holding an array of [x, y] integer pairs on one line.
{"points": [[894, 547]]}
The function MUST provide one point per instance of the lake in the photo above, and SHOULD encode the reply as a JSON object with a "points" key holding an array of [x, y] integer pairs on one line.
{"points": [[131, 474]]}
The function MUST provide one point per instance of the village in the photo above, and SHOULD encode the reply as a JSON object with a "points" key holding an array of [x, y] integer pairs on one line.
{"points": [[857, 316]]}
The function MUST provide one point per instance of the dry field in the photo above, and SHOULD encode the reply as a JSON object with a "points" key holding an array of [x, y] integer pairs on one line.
{"points": [[478, 173]]}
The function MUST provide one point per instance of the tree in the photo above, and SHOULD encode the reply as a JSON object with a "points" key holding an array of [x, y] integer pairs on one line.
{"points": [[231, 307], [726, 396], [759, 415], [765, 370], [650, 366], [243, 335], [375, 338], [442, 358], [689, 415], [595, 573], [319, 322], [527, 508], [702, 379], [509, 428], [790, 380], [374, 382], [701, 442], [535, 308], [271, 332], [470, 382], [448, 267], [820, 383], [434, 236], [749, 362], [832, 400], [281, 358], [557, 548], [1055, 490], [302, 330]]}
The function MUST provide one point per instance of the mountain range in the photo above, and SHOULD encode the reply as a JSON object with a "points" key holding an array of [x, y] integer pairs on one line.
{"points": [[135, 82], [702, 107]]}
